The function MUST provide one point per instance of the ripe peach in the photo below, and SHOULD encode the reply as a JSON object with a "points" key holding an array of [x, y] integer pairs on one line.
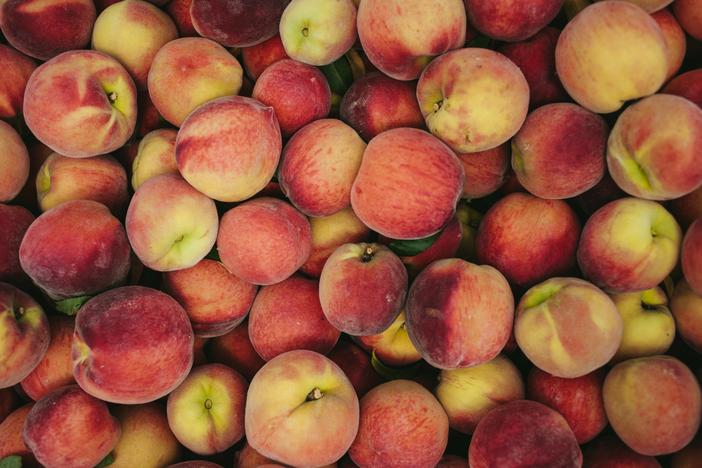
{"points": [[392, 346], [674, 38], [258, 57], [686, 306], [485, 171], [16, 70], [687, 85], [179, 11], [446, 245], [691, 256], [14, 165], [511, 20], [236, 351], [610, 452], [689, 15], [11, 442], [14, 222], [155, 156], [357, 366]]}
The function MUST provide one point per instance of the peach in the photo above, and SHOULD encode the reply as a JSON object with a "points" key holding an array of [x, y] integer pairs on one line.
{"points": [[687, 85], [691, 256], [258, 57], [578, 400], [287, 316], [298, 92], [650, 5], [511, 20], [38, 153], [179, 11], [16, 70], [301, 410], [148, 118], [55, 368], [25, 332], [319, 165], [357, 366], [155, 156], [206, 412], [14, 222], [523, 433], [171, 225], [629, 245], [452, 461], [236, 351], [264, 241], [75, 249], [11, 442], [406, 421], [146, 439], [44, 28], [188, 72], [392, 346], [318, 32], [605, 191], [14, 165], [686, 306], [132, 31], [689, 15], [649, 327], [68, 427], [469, 394], [536, 58], [100, 178], [674, 38], [330, 232], [217, 153], [81, 103], [473, 99], [485, 171], [362, 288], [653, 404], [689, 456], [609, 452], [459, 314], [123, 355], [610, 53], [395, 195], [528, 239], [638, 158], [400, 37], [10, 401], [195, 464], [375, 103], [560, 151], [242, 23], [558, 320]]}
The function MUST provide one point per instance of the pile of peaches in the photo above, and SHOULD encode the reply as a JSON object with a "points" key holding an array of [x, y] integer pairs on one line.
{"points": [[350, 233]]}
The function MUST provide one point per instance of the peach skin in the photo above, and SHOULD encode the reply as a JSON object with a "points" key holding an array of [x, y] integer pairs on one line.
{"points": [[14, 165]]}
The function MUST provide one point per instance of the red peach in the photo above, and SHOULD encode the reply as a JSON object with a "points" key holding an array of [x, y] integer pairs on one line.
{"points": [[14, 222], [485, 171], [511, 20], [179, 10], [248, 457], [357, 366], [236, 351], [14, 165], [689, 15], [609, 452], [16, 70], [261, 56], [674, 38], [11, 442], [691, 256], [687, 85], [686, 306]]}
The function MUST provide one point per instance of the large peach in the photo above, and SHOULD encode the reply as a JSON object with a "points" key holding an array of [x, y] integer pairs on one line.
{"points": [[689, 15], [14, 165], [401, 424], [686, 306], [218, 154], [301, 410], [511, 20], [394, 193], [14, 222], [131, 345], [653, 404], [260, 56], [459, 314], [16, 70], [236, 351], [674, 38], [691, 256], [473, 99], [155, 156], [400, 36], [392, 346], [485, 171], [610, 53], [687, 85]]}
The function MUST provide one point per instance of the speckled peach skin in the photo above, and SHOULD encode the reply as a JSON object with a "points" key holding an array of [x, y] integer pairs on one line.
{"points": [[11, 442], [14, 222], [16, 69], [691, 256], [260, 56], [14, 165], [511, 20], [485, 171]]}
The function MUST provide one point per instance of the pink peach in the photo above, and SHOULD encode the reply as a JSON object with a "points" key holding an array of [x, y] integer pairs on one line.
{"points": [[14, 165], [511, 20], [261, 56], [16, 69]]}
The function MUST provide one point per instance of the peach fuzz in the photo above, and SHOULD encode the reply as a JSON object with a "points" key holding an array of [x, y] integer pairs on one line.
{"points": [[301, 410], [557, 321], [81, 103], [236, 351], [610, 53], [689, 15], [14, 222], [459, 314], [691, 256], [318, 167], [405, 420], [357, 366], [16, 70], [629, 245], [264, 241], [610, 452], [298, 92], [469, 394], [45, 28], [215, 300], [288, 316], [171, 225], [485, 171], [14, 165], [639, 157], [179, 11], [395, 195], [146, 439], [392, 346], [155, 156], [523, 433], [188, 72], [528, 239], [511, 20], [362, 288], [375, 103], [674, 38], [218, 154], [68, 427], [653, 404], [260, 56], [560, 151], [686, 306], [650, 5], [241, 24], [330, 232], [687, 85], [11, 442], [100, 178], [400, 38], [123, 355], [60, 250], [55, 368], [473, 99]]}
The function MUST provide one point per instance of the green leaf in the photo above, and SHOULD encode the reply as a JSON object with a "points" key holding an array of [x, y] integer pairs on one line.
{"points": [[393, 373], [13, 461], [481, 41], [410, 248], [71, 305], [213, 255], [339, 75], [108, 460]]}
